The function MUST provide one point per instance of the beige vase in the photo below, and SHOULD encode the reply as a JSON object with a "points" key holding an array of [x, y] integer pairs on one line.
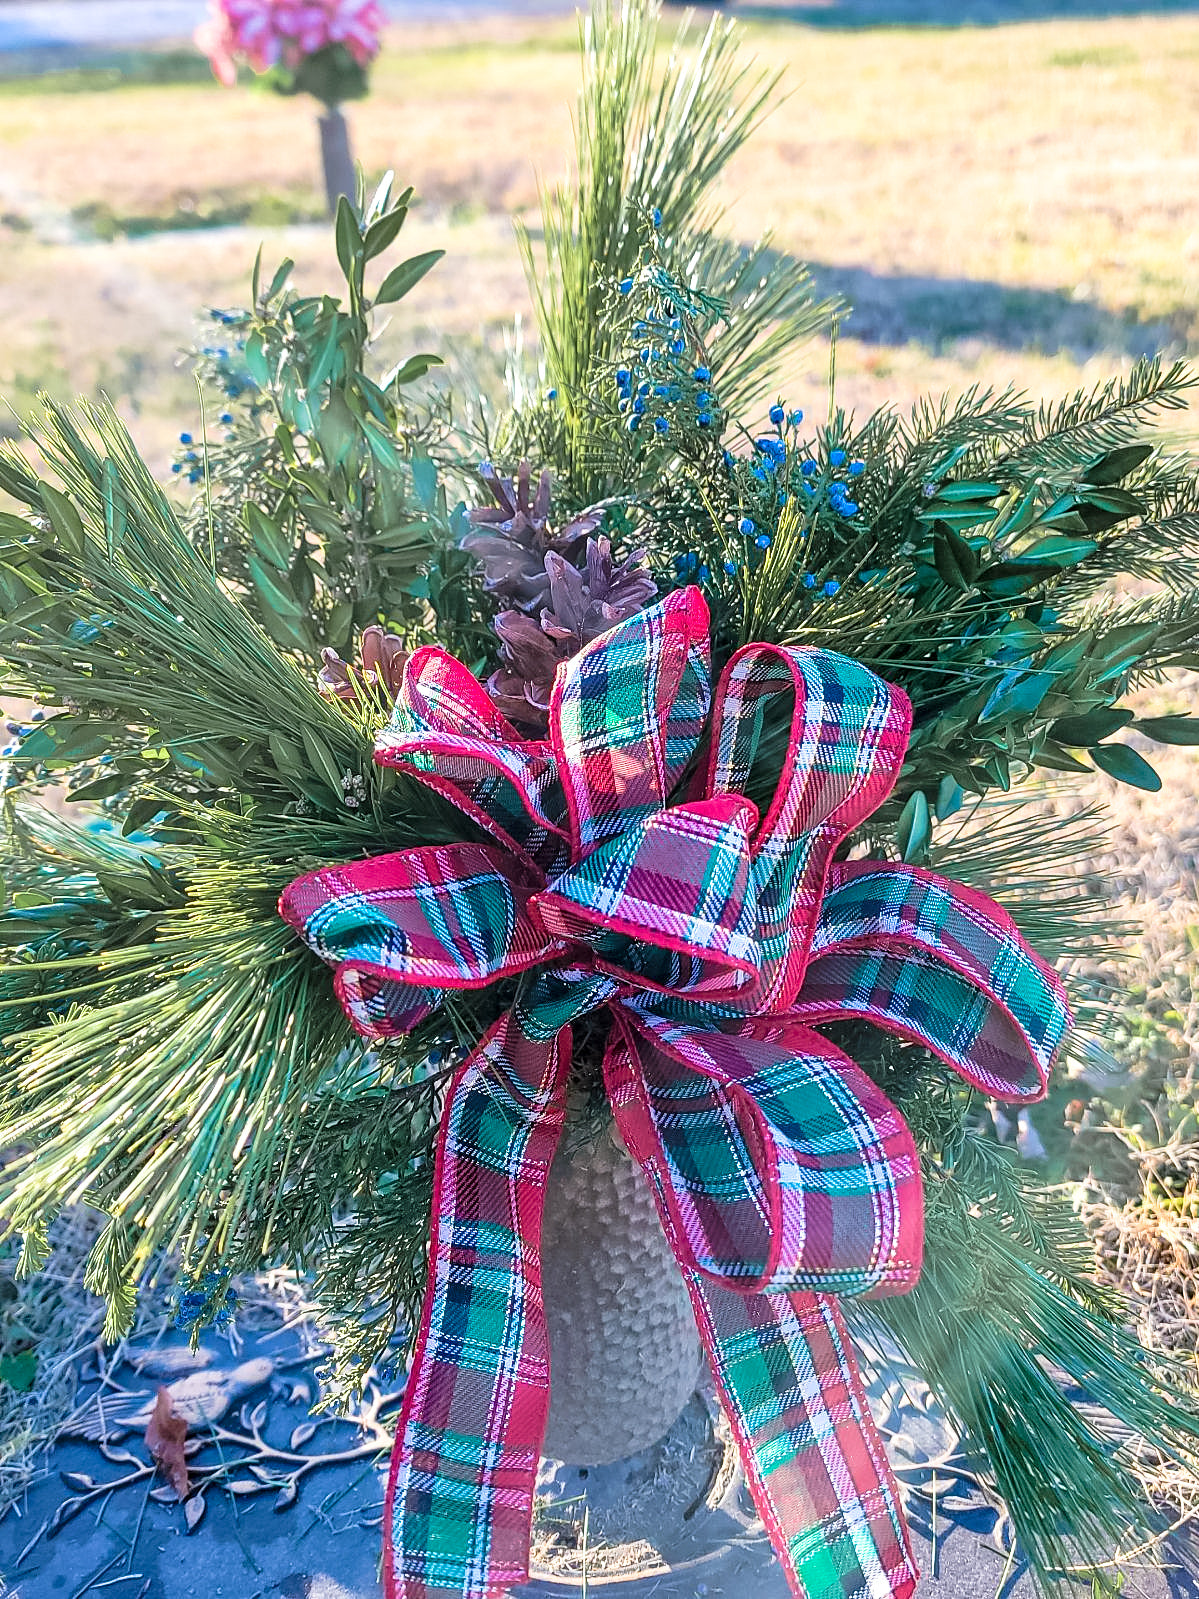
{"points": [[625, 1355]]}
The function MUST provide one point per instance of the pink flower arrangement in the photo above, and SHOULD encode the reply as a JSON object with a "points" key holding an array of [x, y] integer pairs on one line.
{"points": [[270, 33]]}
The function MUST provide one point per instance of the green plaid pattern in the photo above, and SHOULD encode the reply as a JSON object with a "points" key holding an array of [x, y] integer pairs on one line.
{"points": [[626, 716], [714, 941], [460, 1497]]}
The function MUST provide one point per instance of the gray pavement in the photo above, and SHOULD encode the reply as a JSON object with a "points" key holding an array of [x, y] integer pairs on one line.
{"points": [[44, 24], [300, 1515]]}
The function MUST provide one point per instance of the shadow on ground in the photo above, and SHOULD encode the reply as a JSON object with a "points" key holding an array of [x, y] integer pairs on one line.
{"points": [[939, 313], [942, 13]]}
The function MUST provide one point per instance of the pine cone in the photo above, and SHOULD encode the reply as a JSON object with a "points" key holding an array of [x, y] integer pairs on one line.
{"points": [[516, 537], [380, 669], [582, 605]]}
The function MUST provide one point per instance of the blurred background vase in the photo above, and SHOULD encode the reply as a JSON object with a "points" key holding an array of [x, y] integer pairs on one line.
{"points": [[317, 47]]}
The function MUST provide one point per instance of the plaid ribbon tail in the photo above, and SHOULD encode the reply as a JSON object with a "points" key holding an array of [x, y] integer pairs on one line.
{"points": [[816, 1465], [783, 1362], [460, 1498]]}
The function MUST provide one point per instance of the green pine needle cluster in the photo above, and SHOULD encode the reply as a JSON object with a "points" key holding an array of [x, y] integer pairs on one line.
{"points": [[651, 141]]}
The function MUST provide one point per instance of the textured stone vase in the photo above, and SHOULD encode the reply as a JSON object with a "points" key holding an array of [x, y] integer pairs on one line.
{"points": [[625, 1355]]}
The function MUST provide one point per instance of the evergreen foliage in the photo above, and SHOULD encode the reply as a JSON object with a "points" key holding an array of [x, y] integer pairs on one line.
{"points": [[651, 142], [175, 1057], [321, 504]]}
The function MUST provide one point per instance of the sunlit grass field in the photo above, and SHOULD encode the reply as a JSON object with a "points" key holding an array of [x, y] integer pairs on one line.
{"points": [[998, 204]]}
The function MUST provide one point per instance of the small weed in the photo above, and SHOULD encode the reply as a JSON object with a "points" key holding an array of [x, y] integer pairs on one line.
{"points": [[1098, 55]]}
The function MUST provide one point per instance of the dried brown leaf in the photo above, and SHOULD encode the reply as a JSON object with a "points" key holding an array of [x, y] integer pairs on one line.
{"points": [[166, 1432]]}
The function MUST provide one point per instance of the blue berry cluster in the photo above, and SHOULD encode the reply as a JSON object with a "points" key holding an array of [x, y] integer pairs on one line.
{"points": [[691, 568], [228, 365], [190, 463], [17, 731], [663, 387], [779, 471], [206, 1301], [829, 487]]}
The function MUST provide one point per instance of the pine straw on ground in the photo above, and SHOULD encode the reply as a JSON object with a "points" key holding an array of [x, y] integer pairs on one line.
{"points": [[53, 1315], [1149, 1251]]}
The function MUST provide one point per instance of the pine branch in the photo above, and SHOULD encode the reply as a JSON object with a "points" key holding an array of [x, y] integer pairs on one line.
{"points": [[1114, 413], [650, 144], [184, 1073]]}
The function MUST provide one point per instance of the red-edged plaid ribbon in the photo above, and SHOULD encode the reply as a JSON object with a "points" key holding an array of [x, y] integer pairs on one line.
{"points": [[718, 941]]}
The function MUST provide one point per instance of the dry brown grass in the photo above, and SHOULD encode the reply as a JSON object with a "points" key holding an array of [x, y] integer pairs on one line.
{"points": [[1002, 204]]}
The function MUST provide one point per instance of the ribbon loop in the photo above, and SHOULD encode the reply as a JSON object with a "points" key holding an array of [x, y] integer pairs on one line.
{"points": [[626, 717], [402, 928], [677, 884], [784, 1167], [445, 731], [844, 745], [940, 964]]}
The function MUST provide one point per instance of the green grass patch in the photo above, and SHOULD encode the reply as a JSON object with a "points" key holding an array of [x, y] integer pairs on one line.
{"points": [[91, 72], [1099, 55], [265, 210]]}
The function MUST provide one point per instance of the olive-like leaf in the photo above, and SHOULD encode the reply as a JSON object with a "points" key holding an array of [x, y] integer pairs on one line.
{"points": [[1090, 728], [1021, 513], [269, 540], [914, 829], [1060, 550], [1125, 765], [64, 519], [949, 797], [282, 273], [403, 278], [1016, 694], [970, 489], [408, 371], [320, 759], [1058, 759], [1169, 729], [384, 231], [273, 595], [424, 480], [347, 238], [1006, 579], [1117, 464], [956, 563]]}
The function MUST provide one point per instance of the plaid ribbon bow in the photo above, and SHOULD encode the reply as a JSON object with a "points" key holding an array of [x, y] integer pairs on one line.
{"points": [[717, 941]]}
